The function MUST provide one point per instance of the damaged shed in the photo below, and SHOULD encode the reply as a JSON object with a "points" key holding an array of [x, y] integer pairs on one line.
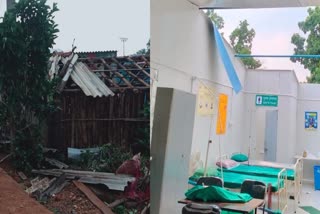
{"points": [[100, 100]]}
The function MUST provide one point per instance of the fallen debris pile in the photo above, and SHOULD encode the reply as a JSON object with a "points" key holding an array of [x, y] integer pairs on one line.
{"points": [[111, 180]]}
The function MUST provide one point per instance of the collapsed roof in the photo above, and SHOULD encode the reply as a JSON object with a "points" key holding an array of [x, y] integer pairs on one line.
{"points": [[100, 76]]}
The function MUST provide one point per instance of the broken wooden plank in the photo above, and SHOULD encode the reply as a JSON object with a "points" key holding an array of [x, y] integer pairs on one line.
{"points": [[5, 157], [144, 211], [52, 189], [117, 73], [39, 185], [111, 180], [49, 150], [22, 176], [129, 72], [57, 163], [117, 202], [71, 62], [93, 198]]}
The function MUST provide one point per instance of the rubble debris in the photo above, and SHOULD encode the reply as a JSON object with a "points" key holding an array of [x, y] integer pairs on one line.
{"points": [[55, 187], [45, 150], [22, 176], [93, 198], [39, 185], [144, 211], [111, 180], [5, 157], [117, 202], [57, 163]]}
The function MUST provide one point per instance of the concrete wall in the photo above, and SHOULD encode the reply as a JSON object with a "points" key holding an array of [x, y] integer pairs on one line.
{"points": [[275, 82], [184, 55], [308, 100], [171, 148]]}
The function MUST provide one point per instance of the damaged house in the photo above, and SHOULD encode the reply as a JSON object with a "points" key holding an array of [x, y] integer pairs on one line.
{"points": [[101, 97]]}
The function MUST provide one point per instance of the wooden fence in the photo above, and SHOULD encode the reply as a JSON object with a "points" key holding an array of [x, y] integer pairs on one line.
{"points": [[85, 122]]}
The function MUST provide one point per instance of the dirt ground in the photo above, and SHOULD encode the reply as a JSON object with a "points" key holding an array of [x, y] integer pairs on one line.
{"points": [[71, 201], [13, 200]]}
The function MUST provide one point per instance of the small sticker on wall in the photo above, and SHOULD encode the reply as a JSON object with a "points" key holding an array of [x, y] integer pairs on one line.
{"points": [[311, 120]]}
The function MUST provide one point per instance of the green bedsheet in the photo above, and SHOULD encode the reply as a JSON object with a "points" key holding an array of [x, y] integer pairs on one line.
{"points": [[259, 171], [234, 180], [216, 194]]}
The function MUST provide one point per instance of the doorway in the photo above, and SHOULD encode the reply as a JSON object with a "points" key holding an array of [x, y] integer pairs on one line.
{"points": [[271, 135]]}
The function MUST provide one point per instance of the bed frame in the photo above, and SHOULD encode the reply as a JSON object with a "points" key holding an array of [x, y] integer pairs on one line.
{"points": [[282, 202]]}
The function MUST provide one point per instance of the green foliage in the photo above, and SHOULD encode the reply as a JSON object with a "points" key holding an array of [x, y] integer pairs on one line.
{"points": [[310, 45], [108, 159], [144, 51], [241, 41], [121, 209], [217, 20], [27, 155], [27, 32]]}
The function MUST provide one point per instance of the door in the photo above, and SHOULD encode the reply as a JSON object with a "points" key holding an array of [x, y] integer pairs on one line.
{"points": [[270, 140]]}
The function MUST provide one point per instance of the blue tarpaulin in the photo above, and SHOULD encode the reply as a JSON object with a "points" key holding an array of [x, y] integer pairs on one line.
{"points": [[233, 77]]}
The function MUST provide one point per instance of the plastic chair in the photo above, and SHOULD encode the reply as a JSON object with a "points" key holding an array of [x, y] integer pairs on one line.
{"points": [[210, 181], [256, 189], [194, 208]]}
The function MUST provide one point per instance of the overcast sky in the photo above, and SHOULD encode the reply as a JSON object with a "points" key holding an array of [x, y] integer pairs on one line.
{"points": [[97, 25], [274, 28]]}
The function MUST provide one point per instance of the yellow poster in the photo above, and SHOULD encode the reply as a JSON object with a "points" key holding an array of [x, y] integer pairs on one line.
{"points": [[205, 101], [222, 114]]}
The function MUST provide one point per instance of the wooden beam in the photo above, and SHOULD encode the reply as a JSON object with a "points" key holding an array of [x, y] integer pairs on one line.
{"points": [[129, 72], [93, 198], [145, 60], [117, 202], [117, 73], [138, 66], [5, 157], [56, 163]]}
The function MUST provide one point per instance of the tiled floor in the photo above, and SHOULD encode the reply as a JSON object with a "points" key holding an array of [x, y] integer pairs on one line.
{"points": [[309, 197]]}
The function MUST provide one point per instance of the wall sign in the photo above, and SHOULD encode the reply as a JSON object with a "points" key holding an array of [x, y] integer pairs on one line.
{"points": [[205, 104], [266, 100], [311, 120]]}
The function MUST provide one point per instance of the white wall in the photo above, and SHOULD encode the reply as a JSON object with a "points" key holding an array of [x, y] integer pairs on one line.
{"points": [[184, 55], [171, 149], [275, 82], [308, 100]]}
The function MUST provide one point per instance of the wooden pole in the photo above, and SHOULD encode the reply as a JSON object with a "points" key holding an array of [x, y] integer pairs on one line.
{"points": [[206, 161], [207, 154]]}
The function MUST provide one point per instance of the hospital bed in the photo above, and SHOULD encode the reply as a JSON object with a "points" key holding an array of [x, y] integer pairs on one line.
{"points": [[233, 178], [271, 169]]}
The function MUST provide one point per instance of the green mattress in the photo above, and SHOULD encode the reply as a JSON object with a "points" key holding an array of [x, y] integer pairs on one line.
{"points": [[259, 171], [234, 180]]}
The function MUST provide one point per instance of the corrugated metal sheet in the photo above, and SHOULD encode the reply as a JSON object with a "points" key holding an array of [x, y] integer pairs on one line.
{"points": [[90, 84]]}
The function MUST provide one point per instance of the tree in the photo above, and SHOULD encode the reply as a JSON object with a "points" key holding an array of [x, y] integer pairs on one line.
{"points": [[26, 95], [144, 51], [217, 20], [241, 41], [311, 27]]}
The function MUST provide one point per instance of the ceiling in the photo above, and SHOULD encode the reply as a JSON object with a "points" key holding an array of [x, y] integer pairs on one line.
{"points": [[246, 4]]}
